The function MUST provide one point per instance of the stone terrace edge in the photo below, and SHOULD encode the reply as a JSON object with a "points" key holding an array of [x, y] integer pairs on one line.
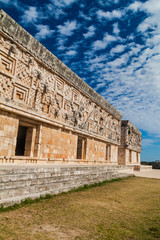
{"points": [[22, 37]]}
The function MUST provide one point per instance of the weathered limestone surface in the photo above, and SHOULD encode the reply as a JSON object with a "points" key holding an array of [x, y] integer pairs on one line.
{"points": [[19, 35], [131, 136], [129, 151], [20, 182]]}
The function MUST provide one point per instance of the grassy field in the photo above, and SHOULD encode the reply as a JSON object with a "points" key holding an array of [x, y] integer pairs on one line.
{"points": [[126, 209]]}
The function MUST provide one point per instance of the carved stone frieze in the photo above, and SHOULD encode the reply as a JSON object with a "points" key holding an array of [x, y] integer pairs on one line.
{"points": [[20, 93], [36, 87], [7, 64], [131, 136], [6, 86]]}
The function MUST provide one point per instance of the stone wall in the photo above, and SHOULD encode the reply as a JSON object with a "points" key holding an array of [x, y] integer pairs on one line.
{"points": [[57, 113], [45, 142], [48, 112], [57, 144], [18, 183], [18, 35], [8, 133], [130, 136], [129, 151]]}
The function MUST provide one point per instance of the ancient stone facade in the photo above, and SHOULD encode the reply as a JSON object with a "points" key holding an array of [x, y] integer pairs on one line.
{"points": [[129, 151], [49, 114]]}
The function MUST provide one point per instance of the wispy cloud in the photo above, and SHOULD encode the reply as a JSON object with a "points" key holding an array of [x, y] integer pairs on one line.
{"points": [[30, 15], [44, 32], [71, 53], [102, 44], [90, 33], [108, 2], [68, 28], [116, 29], [135, 6], [61, 43], [148, 142], [63, 3], [109, 15], [83, 16], [57, 7], [117, 49], [9, 3]]}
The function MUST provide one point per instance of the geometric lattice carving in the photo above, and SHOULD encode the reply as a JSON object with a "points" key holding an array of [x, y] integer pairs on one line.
{"points": [[6, 86], [7, 64], [22, 72], [48, 93], [20, 93], [59, 85]]}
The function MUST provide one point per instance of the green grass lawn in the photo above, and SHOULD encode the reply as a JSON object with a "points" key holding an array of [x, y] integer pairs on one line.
{"points": [[126, 209]]}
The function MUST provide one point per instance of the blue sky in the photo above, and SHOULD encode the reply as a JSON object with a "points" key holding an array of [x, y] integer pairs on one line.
{"points": [[113, 45]]}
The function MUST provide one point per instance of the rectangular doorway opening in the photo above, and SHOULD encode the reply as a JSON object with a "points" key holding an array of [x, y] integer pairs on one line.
{"points": [[130, 156], [137, 157], [81, 148], [107, 153], [21, 140]]}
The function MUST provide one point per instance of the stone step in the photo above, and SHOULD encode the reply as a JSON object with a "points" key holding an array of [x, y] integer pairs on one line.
{"points": [[20, 182]]}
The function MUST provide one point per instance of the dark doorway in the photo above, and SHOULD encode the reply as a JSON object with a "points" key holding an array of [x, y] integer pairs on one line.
{"points": [[21, 139], [79, 148], [130, 156]]}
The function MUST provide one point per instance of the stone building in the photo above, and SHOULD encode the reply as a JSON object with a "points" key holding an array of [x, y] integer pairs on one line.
{"points": [[129, 151], [49, 114]]}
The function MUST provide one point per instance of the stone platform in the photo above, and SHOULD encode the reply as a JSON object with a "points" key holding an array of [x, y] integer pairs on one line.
{"points": [[18, 182], [150, 173]]}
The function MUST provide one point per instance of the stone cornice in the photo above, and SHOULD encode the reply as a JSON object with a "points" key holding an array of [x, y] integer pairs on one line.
{"points": [[127, 123], [22, 37]]}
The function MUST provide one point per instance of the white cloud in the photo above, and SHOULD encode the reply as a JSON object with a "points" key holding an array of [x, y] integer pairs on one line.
{"points": [[44, 32], [10, 2], [68, 28], [54, 11], [134, 6], [90, 33], [109, 15], [102, 44], [108, 2], [57, 7], [61, 43], [71, 53], [85, 17], [63, 3], [151, 6], [5, 2], [118, 49], [31, 15], [116, 29], [131, 82]]}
